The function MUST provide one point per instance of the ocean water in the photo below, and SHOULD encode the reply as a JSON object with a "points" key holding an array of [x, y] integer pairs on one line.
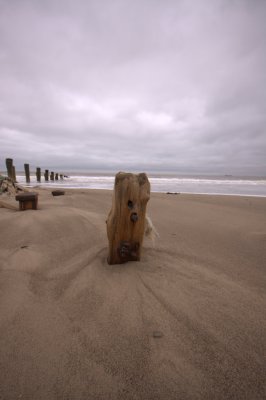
{"points": [[226, 185]]}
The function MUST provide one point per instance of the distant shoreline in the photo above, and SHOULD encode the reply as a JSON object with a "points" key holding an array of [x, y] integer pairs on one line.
{"points": [[241, 186]]}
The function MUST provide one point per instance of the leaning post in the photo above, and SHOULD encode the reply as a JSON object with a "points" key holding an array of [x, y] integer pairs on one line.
{"points": [[126, 219], [56, 176], [27, 172], [38, 174], [52, 176], [9, 167]]}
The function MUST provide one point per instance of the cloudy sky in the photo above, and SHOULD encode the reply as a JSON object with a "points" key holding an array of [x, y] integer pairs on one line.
{"points": [[134, 85]]}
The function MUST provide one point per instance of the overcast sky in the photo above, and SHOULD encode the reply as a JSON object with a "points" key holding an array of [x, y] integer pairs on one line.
{"points": [[134, 85]]}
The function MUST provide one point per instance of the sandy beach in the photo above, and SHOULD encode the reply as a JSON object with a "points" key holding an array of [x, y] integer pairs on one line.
{"points": [[186, 322]]}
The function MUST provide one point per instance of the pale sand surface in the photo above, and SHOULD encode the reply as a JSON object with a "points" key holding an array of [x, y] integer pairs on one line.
{"points": [[73, 327]]}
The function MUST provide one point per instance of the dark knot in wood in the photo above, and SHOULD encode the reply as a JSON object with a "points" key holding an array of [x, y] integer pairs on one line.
{"points": [[128, 251], [134, 217], [130, 204]]}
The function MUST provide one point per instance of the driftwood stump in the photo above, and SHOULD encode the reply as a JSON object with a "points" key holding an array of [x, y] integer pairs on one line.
{"points": [[126, 219], [58, 192]]}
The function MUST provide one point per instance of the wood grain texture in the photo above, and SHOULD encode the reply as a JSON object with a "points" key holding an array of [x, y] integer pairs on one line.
{"points": [[126, 219]]}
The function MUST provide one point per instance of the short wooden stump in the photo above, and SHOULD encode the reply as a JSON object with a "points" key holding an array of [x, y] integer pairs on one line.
{"points": [[27, 201]]}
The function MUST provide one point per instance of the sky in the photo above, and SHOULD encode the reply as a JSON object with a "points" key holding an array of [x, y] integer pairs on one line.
{"points": [[151, 85]]}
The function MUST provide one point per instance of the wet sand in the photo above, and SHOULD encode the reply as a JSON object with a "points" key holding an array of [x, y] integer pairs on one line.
{"points": [[186, 322]]}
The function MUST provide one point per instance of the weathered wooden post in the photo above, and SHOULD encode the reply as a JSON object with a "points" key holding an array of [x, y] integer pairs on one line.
{"points": [[9, 167], [56, 176], [61, 177], [126, 219], [38, 174], [27, 201], [14, 177], [46, 175], [27, 172], [52, 176]]}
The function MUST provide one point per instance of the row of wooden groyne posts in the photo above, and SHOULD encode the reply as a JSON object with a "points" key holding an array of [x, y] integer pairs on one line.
{"points": [[127, 217], [11, 173]]}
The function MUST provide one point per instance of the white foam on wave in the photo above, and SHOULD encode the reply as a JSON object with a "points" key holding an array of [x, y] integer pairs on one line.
{"points": [[253, 187]]}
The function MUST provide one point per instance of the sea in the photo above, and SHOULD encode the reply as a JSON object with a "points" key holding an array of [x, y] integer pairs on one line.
{"points": [[164, 183]]}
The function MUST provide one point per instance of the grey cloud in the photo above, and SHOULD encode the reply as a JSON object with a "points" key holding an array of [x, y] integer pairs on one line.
{"points": [[174, 85]]}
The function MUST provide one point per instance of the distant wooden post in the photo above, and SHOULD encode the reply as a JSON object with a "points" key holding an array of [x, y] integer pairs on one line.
{"points": [[52, 176], [61, 176], [27, 172], [56, 176], [46, 175], [126, 220], [38, 174], [9, 167], [14, 177]]}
